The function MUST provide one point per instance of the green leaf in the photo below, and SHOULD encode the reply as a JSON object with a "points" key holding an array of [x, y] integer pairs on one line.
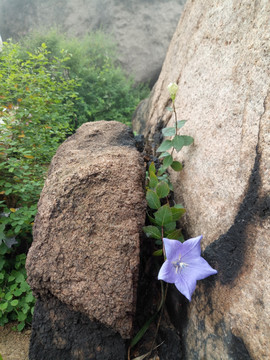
{"points": [[188, 140], [8, 296], [29, 298], [153, 181], [142, 331], [152, 199], [179, 206], [152, 220], [177, 213], [19, 278], [14, 302], [164, 215], [3, 306], [24, 286], [18, 292], [165, 145], [178, 142], [21, 316], [17, 229], [152, 232], [168, 131], [21, 326], [181, 123], [176, 166], [164, 154], [152, 167], [163, 177], [176, 235], [170, 227], [161, 170], [162, 189], [169, 108], [168, 160], [158, 252]]}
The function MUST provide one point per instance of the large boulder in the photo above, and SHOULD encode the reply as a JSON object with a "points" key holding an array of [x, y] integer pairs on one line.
{"points": [[219, 57], [142, 29], [91, 211]]}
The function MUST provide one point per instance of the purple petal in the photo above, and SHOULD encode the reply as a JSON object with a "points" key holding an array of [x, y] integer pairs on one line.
{"points": [[200, 268], [191, 248], [167, 273], [173, 248], [185, 287], [197, 270]]}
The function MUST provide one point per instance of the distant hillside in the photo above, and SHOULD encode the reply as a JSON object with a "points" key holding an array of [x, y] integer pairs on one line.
{"points": [[142, 29]]}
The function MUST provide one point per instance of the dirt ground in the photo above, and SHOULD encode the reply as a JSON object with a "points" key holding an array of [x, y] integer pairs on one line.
{"points": [[13, 344]]}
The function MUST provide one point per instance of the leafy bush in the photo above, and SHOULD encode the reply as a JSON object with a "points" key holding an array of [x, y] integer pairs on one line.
{"points": [[36, 110], [107, 92]]}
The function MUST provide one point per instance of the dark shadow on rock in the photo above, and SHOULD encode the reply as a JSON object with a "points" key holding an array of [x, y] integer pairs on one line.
{"points": [[59, 333], [228, 252], [238, 350]]}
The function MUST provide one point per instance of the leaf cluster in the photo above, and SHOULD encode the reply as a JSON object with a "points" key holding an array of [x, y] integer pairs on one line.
{"points": [[163, 217], [36, 113], [16, 298]]}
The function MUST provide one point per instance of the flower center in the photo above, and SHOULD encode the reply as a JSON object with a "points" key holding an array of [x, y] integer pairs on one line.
{"points": [[178, 265]]}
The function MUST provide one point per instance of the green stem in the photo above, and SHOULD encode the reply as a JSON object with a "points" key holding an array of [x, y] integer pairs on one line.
{"points": [[175, 119], [164, 295]]}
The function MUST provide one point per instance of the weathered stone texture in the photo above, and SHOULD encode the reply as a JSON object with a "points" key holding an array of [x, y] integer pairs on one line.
{"points": [[220, 58], [60, 333], [86, 234]]}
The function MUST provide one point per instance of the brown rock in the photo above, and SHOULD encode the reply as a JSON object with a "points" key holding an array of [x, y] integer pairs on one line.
{"points": [[219, 57], [86, 235]]}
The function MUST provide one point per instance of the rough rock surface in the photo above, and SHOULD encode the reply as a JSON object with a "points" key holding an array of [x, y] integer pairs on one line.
{"points": [[142, 29], [87, 230], [60, 333], [219, 57]]}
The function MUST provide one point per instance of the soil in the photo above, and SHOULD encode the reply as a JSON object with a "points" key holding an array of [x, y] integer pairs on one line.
{"points": [[14, 345]]}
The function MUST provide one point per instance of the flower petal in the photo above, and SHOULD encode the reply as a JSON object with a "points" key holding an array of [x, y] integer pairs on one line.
{"points": [[186, 287], [191, 248], [173, 248], [202, 268], [167, 273], [197, 269]]}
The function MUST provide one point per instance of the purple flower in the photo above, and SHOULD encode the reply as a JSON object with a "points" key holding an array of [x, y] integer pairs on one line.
{"points": [[184, 265]]}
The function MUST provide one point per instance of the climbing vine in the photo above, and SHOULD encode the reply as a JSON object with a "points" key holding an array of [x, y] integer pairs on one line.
{"points": [[162, 215], [183, 265]]}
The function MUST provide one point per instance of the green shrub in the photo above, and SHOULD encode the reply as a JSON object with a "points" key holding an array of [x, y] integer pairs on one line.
{"points": [[36, 110], [107, 92]]}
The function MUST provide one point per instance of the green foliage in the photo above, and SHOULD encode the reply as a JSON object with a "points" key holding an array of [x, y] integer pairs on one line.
{"points": [[162, 215], [36, 113], [165, 217], [106, 92], [16, 299]]}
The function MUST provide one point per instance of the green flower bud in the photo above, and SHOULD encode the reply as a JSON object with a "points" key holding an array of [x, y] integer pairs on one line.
{"points": [[173, 88]]}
